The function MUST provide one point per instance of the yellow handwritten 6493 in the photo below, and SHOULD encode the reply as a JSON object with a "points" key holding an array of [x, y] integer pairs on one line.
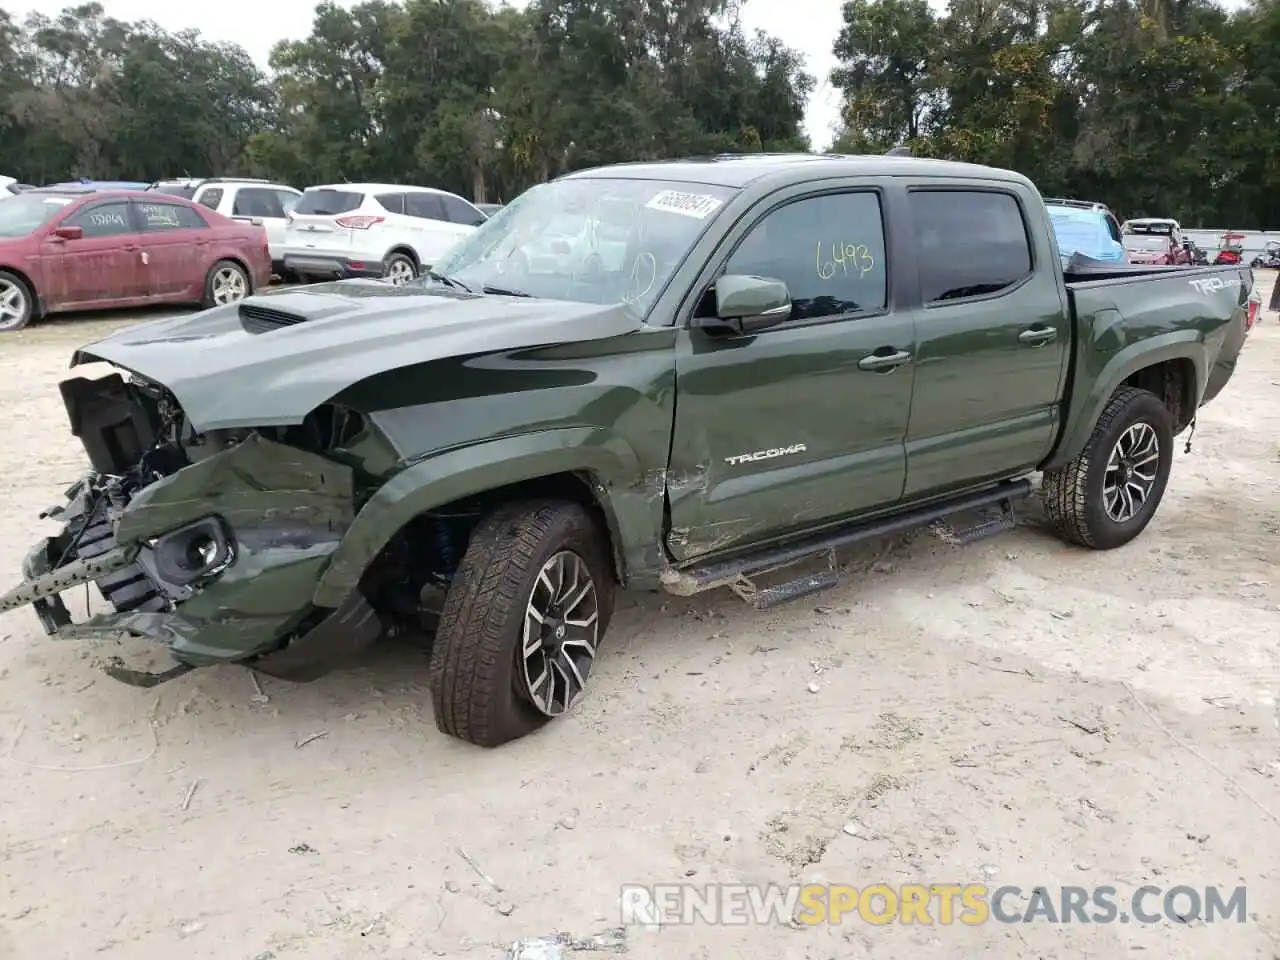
{"points": [[848, 258]]}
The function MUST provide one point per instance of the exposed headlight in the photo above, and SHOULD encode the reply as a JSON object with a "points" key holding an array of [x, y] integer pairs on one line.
{"points": [[189, 554]]}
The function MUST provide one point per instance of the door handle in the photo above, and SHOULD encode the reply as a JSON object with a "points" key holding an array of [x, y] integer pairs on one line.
{"points": [[1038, 335], [884, 361]]}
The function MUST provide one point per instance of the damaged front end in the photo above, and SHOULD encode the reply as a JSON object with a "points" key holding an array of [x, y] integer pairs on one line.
{"points": [[210, 544]]}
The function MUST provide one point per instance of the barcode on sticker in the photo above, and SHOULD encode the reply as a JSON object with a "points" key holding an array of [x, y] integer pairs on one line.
{"points": [[696, 205]]}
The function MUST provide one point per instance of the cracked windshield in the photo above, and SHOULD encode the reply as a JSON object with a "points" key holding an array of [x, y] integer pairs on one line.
{"points": [[590, 240]]}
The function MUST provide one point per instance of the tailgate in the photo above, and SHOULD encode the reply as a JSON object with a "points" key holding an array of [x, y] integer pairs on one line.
{"points": [[316, 232]]}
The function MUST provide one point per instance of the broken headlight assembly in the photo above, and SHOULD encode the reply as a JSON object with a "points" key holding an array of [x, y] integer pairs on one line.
{"points": [[183, 559]]}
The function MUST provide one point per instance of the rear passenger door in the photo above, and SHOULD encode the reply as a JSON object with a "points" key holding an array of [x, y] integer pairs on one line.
{"points": [[992, 334], [175, 248], [804, 422]]}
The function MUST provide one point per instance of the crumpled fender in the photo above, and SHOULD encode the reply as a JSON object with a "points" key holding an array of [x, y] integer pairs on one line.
{"points": [[632, 509]]}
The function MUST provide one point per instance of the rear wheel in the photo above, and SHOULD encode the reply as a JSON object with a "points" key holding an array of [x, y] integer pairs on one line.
{"points": [[1108, 494], [399, 269], [227, 283], [522, 622], [17, 303]]}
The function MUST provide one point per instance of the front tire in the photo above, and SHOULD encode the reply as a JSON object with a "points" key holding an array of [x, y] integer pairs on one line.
{"points": [[1108, 494], [17, 302], [522, 622]]}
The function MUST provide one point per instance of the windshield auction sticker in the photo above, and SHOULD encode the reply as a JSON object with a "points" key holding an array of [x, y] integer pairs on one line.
{"points": [[696, 205]]}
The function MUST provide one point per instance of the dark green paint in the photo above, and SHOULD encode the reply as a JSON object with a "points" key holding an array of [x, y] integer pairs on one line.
{"points": [[676, 428]]}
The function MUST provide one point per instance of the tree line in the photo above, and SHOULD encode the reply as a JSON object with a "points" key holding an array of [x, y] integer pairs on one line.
{"points": [[1155, 107]]}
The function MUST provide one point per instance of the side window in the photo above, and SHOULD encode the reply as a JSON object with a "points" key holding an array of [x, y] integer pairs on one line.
{"points": [[459, 211], [970, 243], [256, 202], [287, 200], [391, 202], [828, 250], [1113, 228], [211, 198], [157, 217], [424, 206], [104, 220]]}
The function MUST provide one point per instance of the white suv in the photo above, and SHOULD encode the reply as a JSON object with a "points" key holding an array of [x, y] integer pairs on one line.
{"points": [[260, 202], [374, 230]]}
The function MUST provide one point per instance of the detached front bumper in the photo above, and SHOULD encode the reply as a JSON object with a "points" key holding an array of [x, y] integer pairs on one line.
{"points": [[218, 561]]}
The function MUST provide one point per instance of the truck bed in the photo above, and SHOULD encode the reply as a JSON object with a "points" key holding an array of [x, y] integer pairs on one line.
{"points": [[1189, 320]]}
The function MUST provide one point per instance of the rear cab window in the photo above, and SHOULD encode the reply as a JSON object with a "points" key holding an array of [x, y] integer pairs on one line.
{"points": [[969, 243], [325, 202]]}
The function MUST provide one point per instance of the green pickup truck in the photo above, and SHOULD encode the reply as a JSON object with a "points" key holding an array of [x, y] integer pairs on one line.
{"points": [[728, 369]]}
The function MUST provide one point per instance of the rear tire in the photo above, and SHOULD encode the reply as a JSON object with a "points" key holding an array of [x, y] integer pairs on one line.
{"points": [[17, 302], [400, 269], [505, 619], [1108, 494], [226, 283]]}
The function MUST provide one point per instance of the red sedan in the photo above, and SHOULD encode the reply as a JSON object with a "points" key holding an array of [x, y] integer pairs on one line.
{"points": [[69, 249]]}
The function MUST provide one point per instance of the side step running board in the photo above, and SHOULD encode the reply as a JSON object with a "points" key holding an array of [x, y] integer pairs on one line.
{"points": [[736, 573]]}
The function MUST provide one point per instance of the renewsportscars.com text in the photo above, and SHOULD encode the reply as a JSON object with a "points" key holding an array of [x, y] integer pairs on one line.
{"points": [[927, 904]]}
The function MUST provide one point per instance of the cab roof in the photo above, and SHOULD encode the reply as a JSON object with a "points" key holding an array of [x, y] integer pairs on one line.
{"points": [[740, 169]]}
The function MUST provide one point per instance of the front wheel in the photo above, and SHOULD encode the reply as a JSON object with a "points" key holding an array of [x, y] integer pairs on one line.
{"points": [[227, 283], [16, 302], [1108, 494], [522, 622]]}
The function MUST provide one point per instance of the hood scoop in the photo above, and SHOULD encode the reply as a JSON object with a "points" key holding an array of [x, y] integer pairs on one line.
{"points": [[256, 318]]}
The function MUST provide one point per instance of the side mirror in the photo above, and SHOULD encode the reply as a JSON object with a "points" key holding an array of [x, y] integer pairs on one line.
{"points": [[68, 233], [747, 304]]}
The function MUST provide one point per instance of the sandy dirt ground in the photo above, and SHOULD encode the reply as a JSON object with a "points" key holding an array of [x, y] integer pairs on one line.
{"points": [[1013, 711]]}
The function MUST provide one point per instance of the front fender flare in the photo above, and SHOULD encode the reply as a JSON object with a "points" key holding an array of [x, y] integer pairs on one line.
{"points": [[1088, 402], [621, 486]]}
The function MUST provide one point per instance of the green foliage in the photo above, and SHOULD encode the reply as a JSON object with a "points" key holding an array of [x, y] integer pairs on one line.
{"points": [[1156, 108], [450, 93]]}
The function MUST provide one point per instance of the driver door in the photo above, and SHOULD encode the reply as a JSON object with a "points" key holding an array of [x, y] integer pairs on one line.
{"points": [[799, 424], [100, 268]]}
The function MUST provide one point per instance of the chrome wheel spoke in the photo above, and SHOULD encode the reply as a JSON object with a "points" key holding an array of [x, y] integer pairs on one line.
{"points": [[1131, 472], [557, 651]]}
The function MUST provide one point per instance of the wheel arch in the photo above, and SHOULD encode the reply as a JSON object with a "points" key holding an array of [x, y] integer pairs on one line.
{"points": [[597, 471], [408, 251], [1172, 367]]}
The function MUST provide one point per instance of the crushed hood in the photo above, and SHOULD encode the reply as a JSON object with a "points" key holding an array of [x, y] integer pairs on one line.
{"points": [[227, 368]]}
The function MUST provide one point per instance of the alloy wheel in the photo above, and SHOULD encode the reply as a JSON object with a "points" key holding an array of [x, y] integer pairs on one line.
{"points": [[1131, 472], [229, 286], [560, 635], [13, 305], [400, 272]]}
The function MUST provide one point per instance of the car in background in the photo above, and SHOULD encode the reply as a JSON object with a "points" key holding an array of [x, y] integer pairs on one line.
{"points": [[1087, 228], [489, 209], [1155, 250], [260, 202], [97, 185], [345, 230], [78, 248], [10, 187]]}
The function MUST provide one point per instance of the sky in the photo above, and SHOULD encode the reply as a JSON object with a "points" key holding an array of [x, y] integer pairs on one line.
{"points": [[809, 26]]}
